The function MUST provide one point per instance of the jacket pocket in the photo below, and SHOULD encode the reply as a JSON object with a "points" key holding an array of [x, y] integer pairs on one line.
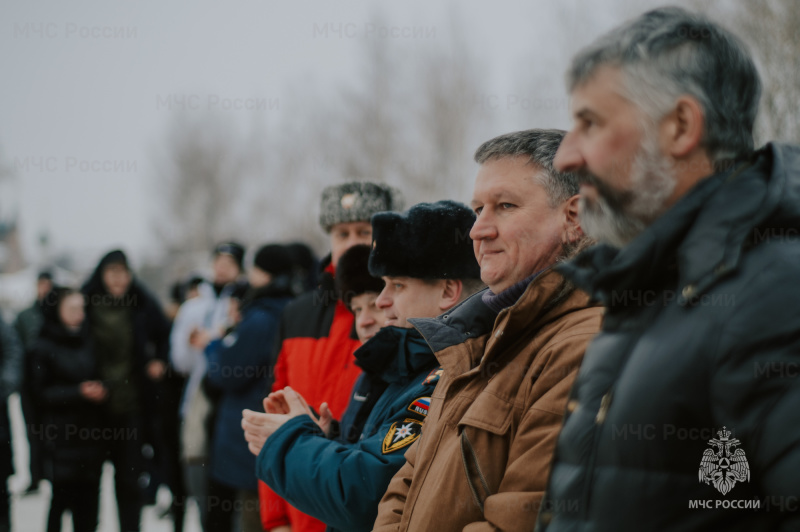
{"points": [[488, 413]]}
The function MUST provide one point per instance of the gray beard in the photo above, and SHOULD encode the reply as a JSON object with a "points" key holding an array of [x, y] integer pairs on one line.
{"points": [[617, 217], [603, 224]]}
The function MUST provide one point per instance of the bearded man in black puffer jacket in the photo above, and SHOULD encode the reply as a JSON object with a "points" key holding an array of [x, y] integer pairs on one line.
{"points": [[685, 414]]}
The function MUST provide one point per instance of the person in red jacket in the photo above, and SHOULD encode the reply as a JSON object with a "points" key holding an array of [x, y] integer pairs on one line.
{"points": [[316, 337]]}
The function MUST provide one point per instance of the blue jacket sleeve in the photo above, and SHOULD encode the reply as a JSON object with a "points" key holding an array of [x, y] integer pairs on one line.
{"points": [[242, 356], [338, 484]]}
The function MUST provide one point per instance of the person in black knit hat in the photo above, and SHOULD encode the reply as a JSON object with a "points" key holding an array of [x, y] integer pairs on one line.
{"points": [[424, 258], [237, 366], [199, 321]]}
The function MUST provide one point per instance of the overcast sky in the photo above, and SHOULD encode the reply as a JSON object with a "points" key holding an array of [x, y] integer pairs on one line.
{"points": [[89, 86]]}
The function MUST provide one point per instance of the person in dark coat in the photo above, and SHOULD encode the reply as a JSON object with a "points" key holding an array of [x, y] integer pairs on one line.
{"points": [[684, 415], [131, 341], [426, 272], [238, 365], [173, 385], [69, 396], [28, 324], [11, 358]]}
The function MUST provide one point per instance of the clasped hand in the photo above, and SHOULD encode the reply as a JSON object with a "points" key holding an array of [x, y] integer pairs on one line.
{"points": [[279, 407]]}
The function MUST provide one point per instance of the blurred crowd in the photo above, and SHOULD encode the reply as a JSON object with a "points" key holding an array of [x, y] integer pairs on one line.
{"points": [[105, 373]]}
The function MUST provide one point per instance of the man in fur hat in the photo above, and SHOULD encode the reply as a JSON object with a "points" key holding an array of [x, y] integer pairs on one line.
{"points": [[425, 258], [316, 335]]}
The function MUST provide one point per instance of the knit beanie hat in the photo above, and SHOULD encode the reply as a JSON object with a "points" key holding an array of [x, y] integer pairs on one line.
{"points": [[234, 249], [274, 259]]}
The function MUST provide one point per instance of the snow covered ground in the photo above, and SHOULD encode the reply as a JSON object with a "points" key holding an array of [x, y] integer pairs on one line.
{"points": [[29, 513]]}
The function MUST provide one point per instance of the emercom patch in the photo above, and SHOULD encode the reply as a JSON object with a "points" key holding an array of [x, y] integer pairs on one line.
{"points": [[401, 434]]}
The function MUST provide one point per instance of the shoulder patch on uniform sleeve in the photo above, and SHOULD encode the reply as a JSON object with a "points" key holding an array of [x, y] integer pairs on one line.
{"points": [[434, 376], [401, 434], [420, 406]]}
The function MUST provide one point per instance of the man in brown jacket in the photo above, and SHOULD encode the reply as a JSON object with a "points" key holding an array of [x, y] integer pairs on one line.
{"points": [[509, 355]]}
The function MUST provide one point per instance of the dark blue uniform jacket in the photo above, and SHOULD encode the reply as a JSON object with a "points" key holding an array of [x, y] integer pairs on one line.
{"points": [[342, 483]]}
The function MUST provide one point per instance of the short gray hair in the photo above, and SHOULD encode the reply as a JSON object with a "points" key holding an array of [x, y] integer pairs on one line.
{"points": [[669, 52], [540, 147]]}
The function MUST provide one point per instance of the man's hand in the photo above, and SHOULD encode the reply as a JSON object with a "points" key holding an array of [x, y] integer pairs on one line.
{"points": [[93, 391], [199, 338], [258, 427], [156, 369], [277, 403], [325, 419]]}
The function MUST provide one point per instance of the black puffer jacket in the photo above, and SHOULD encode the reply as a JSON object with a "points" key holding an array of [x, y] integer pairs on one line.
{"points": [[71, 424], [700, 337]]}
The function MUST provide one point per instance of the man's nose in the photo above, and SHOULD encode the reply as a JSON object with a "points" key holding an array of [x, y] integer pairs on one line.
{"points": [[568, 158], [367, 317], [383, 300], [483, 227]]}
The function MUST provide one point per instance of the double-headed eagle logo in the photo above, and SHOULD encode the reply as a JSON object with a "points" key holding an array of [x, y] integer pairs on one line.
{"points": [[724, 467]]}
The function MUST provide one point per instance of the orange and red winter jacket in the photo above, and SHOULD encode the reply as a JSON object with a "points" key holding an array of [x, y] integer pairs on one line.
{"points": [[317, 341]]}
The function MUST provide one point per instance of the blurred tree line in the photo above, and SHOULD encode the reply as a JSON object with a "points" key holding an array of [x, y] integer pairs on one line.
{"points": [[411, 120]]}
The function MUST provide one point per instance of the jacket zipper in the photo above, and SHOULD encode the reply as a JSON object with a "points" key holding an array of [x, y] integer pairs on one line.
{"points": [[600, 418]]}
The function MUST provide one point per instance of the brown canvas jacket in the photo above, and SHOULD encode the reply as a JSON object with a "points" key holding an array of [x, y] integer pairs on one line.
{"points": [[484, 456]]}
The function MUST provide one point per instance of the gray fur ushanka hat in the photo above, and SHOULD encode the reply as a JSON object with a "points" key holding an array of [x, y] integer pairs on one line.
{"points": [[356, 201]]}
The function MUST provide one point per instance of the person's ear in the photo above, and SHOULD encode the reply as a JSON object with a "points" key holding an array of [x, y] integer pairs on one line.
{"points": [[451, 293], [572, 223], [682, 129]]}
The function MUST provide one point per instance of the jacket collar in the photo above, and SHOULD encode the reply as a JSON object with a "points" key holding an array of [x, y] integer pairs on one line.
{"points": [[701, 237], [548, 297], [394, 354], [469, 319]]}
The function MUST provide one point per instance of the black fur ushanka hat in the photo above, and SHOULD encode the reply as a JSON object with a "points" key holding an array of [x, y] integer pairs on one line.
{"points": [[429, 241]]}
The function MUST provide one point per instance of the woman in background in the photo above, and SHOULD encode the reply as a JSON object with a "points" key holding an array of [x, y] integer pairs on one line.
{"points": [[69, 395]]}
